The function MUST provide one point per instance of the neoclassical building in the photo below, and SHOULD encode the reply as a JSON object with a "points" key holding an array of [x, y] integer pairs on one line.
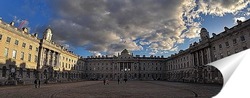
{"points": [[188, 65], [124, 66], [25, 56]]}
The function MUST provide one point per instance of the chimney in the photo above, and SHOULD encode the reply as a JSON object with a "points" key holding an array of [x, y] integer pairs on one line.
{"points": [[12, 23], [239, 21], [25, 30], [36, 35], [226, 28]]}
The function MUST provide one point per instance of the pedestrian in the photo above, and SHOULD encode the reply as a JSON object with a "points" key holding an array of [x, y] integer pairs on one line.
{"points": [[35, 82], [104, 81], [107, 82], [118, 80], [39, 83]]}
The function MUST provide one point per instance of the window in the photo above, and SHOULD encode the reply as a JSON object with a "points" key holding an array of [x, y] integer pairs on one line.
{"points": [[242, 38], [6, 51], [214, 48], [220, 46], [29, 59], [228, 53], [234, 41], [244, 48], [227, 44], [1, 36], [8, 39], [16, 42], [36, 49], [36, 58], [30, 47], [14, 54], [236, 50], [24, 44], [22, 56]]}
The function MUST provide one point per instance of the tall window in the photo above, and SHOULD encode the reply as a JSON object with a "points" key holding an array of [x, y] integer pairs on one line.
{"points": [[220, 46], [8, 39], [1, 36], [30, 47], [242, 38], [6, 51], [14, 54], [24, 44], [36, 49], [227, 44], [234, 41], [16, 42], [22, 56], [36, 58], [29, 59]]}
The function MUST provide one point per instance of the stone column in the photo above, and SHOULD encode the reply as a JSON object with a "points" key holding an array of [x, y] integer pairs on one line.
{"points": [[52, 58], [48, 57], [40, 59], [202, 57], [197, 59], [57, 60], [208, 55]]}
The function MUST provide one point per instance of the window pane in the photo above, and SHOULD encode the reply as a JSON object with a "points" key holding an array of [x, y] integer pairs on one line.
{"points": [[8, 39], [242, 38], [14, 54], [16, 42], [22, 55], [30, 47], [29, 59], [24, 44], [6, 52]]}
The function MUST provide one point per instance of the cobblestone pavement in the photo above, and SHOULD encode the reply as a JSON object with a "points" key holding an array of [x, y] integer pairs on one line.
{"points": [[131, 89]]}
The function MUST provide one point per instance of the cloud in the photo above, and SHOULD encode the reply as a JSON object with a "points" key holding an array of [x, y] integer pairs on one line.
{"points": [[221, 7], [109, 26]]}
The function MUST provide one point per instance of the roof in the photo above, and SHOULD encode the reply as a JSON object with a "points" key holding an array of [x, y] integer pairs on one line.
{"points": [[125, 51]]}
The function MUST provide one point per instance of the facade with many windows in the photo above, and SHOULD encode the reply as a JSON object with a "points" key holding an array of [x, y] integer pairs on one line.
{"points": [[124, 66], [188, 65], [25, 56], [18, 52]]}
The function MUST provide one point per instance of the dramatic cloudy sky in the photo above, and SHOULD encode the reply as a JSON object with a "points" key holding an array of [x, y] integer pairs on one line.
{"points": [[106, 27]]}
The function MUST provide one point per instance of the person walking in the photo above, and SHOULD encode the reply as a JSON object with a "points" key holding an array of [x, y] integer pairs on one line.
{"points": [[107, 82], [35, 82], [118, 81], [39, 83], [104, 81]]}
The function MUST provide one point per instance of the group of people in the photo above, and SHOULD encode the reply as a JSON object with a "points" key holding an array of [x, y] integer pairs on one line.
{"points": [[125, 80], [105, 81], [37, 83]]}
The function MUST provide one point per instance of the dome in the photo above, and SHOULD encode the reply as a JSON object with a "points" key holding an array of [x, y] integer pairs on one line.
{"points": [[203, 30], [48, 30], [125, 51]]}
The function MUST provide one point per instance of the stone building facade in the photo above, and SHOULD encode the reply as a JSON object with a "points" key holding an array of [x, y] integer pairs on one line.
{"points": [[188, 65], [124, 66], [23, 56]]}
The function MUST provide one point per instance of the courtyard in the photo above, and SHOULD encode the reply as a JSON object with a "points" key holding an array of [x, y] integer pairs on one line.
{"points": [[130, 89]]}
